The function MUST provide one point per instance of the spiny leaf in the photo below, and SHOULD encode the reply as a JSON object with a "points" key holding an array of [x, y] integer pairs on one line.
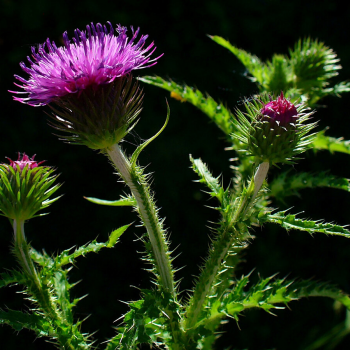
{"points": [[269, 292], [289, 221], [207, 178], [304, 75], [124, 201], [313, 64], [332, 144], [12, 277], [41, 259], [144, 323], [114, 236], [254, 65], [287, 184], [19, 320], [215, 111], [68, 258], [62, 286]]}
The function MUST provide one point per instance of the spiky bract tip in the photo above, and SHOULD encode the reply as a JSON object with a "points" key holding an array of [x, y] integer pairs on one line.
{"points": [[99, 118]]}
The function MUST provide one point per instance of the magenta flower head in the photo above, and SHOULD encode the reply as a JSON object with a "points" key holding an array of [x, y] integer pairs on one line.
{"points": [[88, 83], [20, 164], [25, 188], [280, 111], [273, 130]]}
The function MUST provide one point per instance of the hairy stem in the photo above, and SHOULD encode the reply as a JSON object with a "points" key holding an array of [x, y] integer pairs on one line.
{"points": [[25, 261], [148, 213], [69, 337], [204, 284], [227, 240]]}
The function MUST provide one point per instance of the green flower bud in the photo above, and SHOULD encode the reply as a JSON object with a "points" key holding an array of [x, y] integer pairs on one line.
{"points": [[25, 188], [273, 130]]}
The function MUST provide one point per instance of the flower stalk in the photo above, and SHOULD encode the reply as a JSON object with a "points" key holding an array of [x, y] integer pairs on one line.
{"points": [[259, 177], [148, 213], [69, 337], [22, 252], [21, 249], [230, 239], [219, 252]]}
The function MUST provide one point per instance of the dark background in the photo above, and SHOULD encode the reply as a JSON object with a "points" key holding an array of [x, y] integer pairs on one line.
{"points": [[179, 30]]}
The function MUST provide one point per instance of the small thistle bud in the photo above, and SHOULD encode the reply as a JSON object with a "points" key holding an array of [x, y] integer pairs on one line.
{"points": [[25, 188], [280, 112], [273, 130]]}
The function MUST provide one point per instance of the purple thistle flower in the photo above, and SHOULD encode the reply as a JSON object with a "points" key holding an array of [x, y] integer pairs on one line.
{"points": [[281, 111], [88, 83], [95, 57], [24, 162]]}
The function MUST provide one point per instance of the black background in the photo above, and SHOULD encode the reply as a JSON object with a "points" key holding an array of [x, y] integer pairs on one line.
{"points": [[179, 30]]}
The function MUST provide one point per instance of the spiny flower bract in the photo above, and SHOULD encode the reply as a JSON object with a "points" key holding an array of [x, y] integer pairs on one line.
{"points": [[95, 57], [273, 130]]}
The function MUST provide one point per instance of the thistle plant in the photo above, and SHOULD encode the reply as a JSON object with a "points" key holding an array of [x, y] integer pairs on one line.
{"points": [[95, 101]]}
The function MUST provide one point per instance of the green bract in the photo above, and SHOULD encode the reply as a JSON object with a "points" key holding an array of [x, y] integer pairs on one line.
{"points": [[24, 192], [268, 132], [99, 118]]}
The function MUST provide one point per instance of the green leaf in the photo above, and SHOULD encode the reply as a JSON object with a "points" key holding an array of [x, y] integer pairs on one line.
{"points": [[313, 64], [41, 259], [207, 178], [304, 75], [268, 292], [215, 111], [289, 221], [331, 144], [66, 257], [12, 277], [19, 320], [139, 149], [62, 288], [124, 201], [287, 185], [113, 238], [144, 323], [254, 65]]}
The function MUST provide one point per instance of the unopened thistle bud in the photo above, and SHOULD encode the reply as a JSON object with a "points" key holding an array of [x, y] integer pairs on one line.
{"points": [[273, 130], [88, 83], [25, 188]]}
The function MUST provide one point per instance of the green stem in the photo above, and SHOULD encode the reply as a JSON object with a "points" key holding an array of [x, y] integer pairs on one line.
{"points": [[23, 255], [221, 248], [204, 284], [259, 177], [139, 187], [148, 213], [69, 337]]}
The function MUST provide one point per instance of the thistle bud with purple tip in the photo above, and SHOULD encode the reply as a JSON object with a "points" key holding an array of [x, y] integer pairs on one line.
{"points": [[25, 188], [273, 130]]}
